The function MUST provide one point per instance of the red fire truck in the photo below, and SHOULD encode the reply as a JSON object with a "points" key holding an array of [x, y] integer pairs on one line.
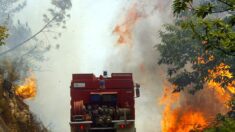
{"points": [[103, 104]]}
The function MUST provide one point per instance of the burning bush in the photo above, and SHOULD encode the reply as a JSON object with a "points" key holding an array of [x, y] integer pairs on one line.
{"points": [[185, 112], [15, 115], [28, 89]]}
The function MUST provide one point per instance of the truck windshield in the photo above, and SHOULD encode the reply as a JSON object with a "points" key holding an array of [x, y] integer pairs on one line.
{"points": [[104, 99]]}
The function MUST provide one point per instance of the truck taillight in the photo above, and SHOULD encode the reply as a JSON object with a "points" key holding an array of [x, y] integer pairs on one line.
{"points": [[81, 127], [122, 126]]}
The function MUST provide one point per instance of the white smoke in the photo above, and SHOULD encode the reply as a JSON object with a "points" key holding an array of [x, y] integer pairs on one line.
{"points": [[141, 59]]}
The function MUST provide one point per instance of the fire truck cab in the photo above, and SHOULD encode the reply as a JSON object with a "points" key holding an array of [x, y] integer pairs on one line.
{"points": [[103, 104]]}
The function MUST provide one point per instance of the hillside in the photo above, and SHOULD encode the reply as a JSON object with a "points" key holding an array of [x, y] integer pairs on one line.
{"points": [[15, 115]]}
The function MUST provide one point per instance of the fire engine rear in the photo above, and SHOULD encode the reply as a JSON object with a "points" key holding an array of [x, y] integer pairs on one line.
{"points": [[103, 104]]}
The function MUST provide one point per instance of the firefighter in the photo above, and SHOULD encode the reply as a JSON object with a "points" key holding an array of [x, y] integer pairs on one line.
{"points": [[102, 82]]}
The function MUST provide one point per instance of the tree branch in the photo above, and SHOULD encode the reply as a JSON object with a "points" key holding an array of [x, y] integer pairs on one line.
{"points": [[221, 11], [24, 42], [225, 3]]}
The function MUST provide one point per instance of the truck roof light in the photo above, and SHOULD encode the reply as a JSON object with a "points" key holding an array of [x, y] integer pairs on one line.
{"points": [[105, 74]]}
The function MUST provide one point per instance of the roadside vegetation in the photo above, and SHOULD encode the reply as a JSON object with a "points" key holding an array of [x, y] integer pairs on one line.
{"points": [[199, 49]]}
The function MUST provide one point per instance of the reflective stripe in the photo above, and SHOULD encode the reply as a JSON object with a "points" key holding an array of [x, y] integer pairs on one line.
{"points": [[103, 92]]}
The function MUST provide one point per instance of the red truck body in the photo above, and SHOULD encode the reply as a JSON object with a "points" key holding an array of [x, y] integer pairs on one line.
{"points": [[102, 103]]}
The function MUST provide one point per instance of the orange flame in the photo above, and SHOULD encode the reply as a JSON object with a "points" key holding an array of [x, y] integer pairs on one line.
{"points": [[184, 112], [231, 87], [201, 60], [28, 89], [124, 30], [142, 68], [177, 118], [222, 70], [191, 120]]}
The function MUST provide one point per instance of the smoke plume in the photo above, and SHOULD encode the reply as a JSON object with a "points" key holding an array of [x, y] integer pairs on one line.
{"points": [[137, 35]]}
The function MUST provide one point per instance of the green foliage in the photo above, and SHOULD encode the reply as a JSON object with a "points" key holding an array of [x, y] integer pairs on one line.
{"points": [[217, 34], [182, 55], [179, 5], [225, 125], [204, 10], [195, 37], [217, 21], [3, 35]]}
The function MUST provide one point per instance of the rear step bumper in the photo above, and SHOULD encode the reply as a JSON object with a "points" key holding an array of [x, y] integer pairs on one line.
{"points": [[103, 128], [89, 122]]}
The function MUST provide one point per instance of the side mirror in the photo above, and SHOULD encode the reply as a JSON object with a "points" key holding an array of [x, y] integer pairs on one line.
{"points": [[137, 90]]}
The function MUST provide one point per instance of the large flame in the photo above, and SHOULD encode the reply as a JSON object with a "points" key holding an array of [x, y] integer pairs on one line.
{"points": [[180, 115], [28, 89], [184, 112]]}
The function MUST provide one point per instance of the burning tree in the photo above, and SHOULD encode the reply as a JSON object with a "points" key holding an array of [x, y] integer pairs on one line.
{"points": [[200, 66]]}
